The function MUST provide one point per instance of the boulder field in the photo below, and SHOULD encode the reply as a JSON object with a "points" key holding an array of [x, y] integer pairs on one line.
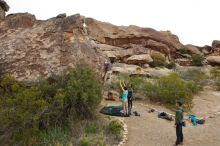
{"points": [[30, 48]]}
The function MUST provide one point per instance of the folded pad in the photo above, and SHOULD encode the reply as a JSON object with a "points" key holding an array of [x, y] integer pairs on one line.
{"points": [[112, 110]]}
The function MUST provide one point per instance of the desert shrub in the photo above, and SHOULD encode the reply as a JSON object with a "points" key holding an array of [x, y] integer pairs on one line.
{"points": [[84, 91], [54, 136], [193, 87], [158, 60], [26, 110], [197, 60], [171, 65], [85, 141], [215, 74], [91, 129], [195, 75], [170, 88], [116, 128]]}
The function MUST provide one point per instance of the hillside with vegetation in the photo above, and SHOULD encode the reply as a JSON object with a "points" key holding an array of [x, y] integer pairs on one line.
{"points": [[51, 77]]}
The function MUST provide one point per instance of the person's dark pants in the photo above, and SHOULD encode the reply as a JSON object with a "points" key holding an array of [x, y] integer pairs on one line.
{"points": [[179, 133], [129, 105]]}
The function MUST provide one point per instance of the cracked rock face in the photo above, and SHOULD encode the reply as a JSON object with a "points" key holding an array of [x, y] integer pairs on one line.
{"points": [[31, 49], [121, 36]]}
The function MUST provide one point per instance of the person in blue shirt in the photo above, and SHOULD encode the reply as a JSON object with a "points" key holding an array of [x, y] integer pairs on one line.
{"points": [[124, 97]]}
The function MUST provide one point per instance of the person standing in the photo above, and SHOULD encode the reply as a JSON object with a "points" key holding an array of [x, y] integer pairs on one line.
{"points": [[108, 70], [179, 123], [124, 97], [130, 98]]}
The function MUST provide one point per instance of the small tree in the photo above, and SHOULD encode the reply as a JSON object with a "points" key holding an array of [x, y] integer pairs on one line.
{"points": [[170, 88], [84, 91], [158, 60], [197, 60]]}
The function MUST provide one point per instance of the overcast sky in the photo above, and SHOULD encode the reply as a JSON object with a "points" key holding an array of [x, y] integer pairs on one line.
{"points": [[194, 21]]}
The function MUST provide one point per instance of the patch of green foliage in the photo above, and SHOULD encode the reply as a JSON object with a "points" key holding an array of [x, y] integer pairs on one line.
{"points": [[170, 88], [215, 74], [54, 136], [26, 110], [115, 127], [158, 60], [196, 75], [91, 129], [85, 141], [171, 65], [197, 60]]}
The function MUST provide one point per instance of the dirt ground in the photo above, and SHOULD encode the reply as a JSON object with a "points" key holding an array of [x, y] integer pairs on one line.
{"points": [[149, 130]]}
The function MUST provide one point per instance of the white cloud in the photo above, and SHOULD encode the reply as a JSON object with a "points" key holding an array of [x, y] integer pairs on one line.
{"points": [[194, 21]]}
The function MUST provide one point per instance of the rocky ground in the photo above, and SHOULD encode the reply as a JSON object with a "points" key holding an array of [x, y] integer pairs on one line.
{"points": [[148, 130]]}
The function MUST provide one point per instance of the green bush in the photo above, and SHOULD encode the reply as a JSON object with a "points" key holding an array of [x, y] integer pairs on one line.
{"points": [[195, 75], [171, 65], [115, 127], [158, 60], [193, 87], [53, 136], [85, 141], [197, 60], [170, 88], [84, 91], [215, 74], [49, 104], [92, 129]]}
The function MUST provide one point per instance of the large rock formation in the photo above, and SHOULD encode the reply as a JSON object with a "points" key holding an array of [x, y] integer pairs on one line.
{"points": [[124, 37], [216, 46], [31, 49], [213, 60], [140, 59], [3, 8], [193, 50]]}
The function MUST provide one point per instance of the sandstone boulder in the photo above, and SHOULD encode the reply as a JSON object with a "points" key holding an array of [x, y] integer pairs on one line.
{"points": [[216, 46], [121, 36], [48, 47], [159, 72], [17, 21], [213, 60], [63, 15], [183, 61], [206, 49], [139, 59], [193, 50], [129, 69]]}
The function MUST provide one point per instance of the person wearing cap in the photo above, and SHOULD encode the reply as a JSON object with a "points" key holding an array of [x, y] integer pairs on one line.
{"points": [[179, 123]]}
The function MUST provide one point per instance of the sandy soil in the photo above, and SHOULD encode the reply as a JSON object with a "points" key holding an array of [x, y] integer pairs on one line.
{"points": [[148, 130]]}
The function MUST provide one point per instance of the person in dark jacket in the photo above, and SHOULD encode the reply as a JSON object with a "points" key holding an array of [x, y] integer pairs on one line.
{"points": [[130, 98], [179, 123], [108, 70]]}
